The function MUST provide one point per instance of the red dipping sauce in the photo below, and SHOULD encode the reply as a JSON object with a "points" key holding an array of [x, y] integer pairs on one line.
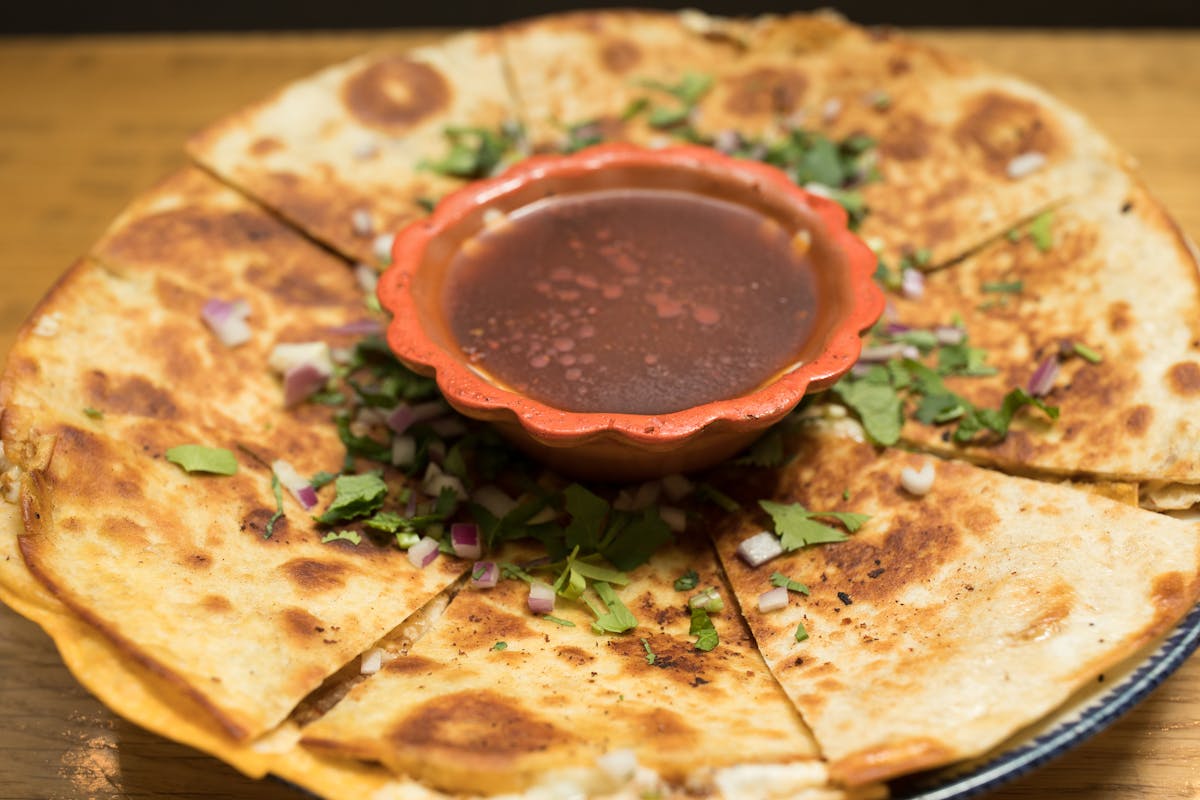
{"points": [[636, 301]]}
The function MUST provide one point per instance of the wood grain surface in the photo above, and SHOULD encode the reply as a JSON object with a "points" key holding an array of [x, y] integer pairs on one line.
{"points": [[88, 123]]}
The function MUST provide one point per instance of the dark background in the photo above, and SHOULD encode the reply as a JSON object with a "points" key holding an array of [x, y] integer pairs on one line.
{"points": [[31, 16]]}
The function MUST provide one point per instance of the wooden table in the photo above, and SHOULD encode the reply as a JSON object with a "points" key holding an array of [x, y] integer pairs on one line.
{"points": [[88, 123]]}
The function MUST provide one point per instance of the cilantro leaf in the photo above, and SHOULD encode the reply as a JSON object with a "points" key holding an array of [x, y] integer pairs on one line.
{"points": [[801, 633], [878, 406], [1086, 353], [779, 579], [766, 452], [650, 657], [321, 478], [353, 537], [1040, 233], [962, 359], [498, 646], [616, 617], [687, 581], [357, 496], [589, 517], [559, 621], [199, 458], [363, 446], [93, 413], [706, 491], [633, 539], [476, 152], [797, 526], [277, 490], [703, 628], [1002, 287]]}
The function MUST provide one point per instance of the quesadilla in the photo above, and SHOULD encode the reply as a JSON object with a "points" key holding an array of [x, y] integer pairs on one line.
{"points": [[215, 610], [1107, 297], [345, 155], [494, 699], [198, 578], [950, 620]]}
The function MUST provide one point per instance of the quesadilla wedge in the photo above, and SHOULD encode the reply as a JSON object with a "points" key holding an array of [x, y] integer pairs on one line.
{"points": [[199, 578], [345, 154], [496, 699], [952, 619], [1107, 297]]}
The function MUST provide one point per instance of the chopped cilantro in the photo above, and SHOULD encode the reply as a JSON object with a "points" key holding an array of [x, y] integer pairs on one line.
{"points": [[801, 634], [874, 399], [327, 398], [500, 646], [1003, 287], [277, 490], [687, 581], [321, 478], [1040, 233], [615, 617], [199, 458], [94, 413], [663, 117], [564, 623], [845, 494], [702, 627], [406, 539], [962, 359], [477, 152], [766, 452], [797, 526], [363, 446], [357, 496], [1086, 353], [353, 537], [426, 204], [626, 539], [779, 579], [513, 572], [650, 657], [581, 135]]}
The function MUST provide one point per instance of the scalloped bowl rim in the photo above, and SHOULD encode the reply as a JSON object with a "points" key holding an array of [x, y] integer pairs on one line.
{"points": [[476, 397]]}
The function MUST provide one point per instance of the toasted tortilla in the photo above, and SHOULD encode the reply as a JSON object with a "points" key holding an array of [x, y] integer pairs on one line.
{"points": [[496, 699], [951, 620], [352, 141], [1118, 278], [174, 568], [947, 129]]}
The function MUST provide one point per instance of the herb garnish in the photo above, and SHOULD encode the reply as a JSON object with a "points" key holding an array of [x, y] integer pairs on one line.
{"points": [[779, 579], [199, 458], [801, 634], [357, 496], [798, 527], [687, 581], [277, 490], [650, 657], [563, 623], [702, 627], [478, 152], [353, 537], [612, 616], [498, 646], [1086, 353], [1003, 287], [94, 413]]}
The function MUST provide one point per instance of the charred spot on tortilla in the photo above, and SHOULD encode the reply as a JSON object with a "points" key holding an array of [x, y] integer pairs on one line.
{"points": [[395, 93], [1184, 378], [766, 90], [1000, 127], [620, 55]]}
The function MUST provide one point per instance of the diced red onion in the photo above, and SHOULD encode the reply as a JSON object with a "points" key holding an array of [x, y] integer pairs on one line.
{"points": [[435, 481], [728, 141], [464, 538], [949, 334], [541, 597], [367, 276], [889, 311], [676, 487], [404, 451], [773, 600], [362, 222], [485, 574], [918, 482], [410, 507], [912, 283], [1026, 164], [300, 382], [227, 320], [1043, 377], [404, 416], [860, 369], [372, 660], [359, 327], [675, 518], [423, 553], [877, 354], [382, 247], [895, 328], [295, 483], [495, 501], [369, 416], [760, 548]]}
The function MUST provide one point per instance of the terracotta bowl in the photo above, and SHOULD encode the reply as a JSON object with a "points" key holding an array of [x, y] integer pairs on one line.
{"points": [[622, 446]]}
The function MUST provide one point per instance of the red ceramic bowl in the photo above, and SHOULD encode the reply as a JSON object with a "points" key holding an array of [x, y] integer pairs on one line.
{"points": [[624, 446]]}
